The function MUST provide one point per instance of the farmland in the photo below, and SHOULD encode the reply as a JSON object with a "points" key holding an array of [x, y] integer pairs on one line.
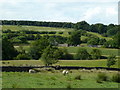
{"points": [[55, 80], [82, 63], [29, 41]]}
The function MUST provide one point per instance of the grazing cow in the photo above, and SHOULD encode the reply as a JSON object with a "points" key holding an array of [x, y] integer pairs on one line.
{"points": [[65, 72], [32, 71]]}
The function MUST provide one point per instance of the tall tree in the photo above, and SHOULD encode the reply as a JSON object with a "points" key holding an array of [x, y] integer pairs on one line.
{"points": [[74, 38], [50, 55], [8, 50], [37, 48], [82, 25]]}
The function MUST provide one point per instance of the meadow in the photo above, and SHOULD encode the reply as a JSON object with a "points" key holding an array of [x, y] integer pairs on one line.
{"points": [[104, 51], [82, 63], [75, 79]]}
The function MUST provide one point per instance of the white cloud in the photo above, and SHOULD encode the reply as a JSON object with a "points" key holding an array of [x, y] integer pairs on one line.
{"points": [[93, 11]]}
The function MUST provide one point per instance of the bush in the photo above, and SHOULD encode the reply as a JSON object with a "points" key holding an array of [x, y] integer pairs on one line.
{"points": [[60, 32], [116, 78], [22, 57], [82, 54], [101, 77], [78, 77]]}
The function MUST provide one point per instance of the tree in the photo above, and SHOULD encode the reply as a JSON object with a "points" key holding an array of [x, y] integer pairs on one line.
{"points": [[112, 31], [37, 48], [74, 39], [82, 54], [65, 55], [8, 50], [82, 25], [96, 54], [111, 60], [50, 55], [102, 41], [93, 41]]}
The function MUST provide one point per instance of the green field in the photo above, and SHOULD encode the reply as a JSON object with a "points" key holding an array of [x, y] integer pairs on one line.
{"points": [[82, 63], [104, 51], [37, 28], [55, 80], [100, 36]]}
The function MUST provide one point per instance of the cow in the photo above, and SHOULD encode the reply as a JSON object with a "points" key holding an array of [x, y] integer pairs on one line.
{"points": [[65, 72], [32, 71]]}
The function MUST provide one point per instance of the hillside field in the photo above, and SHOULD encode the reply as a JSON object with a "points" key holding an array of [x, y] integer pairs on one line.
{"points": [[82, 63]]}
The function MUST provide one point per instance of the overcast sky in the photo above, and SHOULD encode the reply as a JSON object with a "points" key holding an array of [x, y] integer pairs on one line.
{"points": [[92, 11]]}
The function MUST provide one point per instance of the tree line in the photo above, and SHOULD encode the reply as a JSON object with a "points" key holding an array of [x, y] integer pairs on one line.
{"points": [[105, 30]]}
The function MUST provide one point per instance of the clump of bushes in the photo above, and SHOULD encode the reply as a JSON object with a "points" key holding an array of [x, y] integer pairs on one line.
{"points": [[101, 77], [116, 78], [78, 77], [22, 57]]}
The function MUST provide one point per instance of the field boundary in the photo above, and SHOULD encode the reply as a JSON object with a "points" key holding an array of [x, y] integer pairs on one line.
{"points": [[26, 68]]}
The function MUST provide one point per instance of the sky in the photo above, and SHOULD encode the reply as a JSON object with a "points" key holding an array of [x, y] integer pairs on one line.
{"points": [[92, 11]]}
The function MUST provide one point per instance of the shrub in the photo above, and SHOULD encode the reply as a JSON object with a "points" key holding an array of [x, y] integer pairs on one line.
{"points": [[60, 32], [101, 77], [22, 57], [116, 78], [78, 77], [82, 54]]}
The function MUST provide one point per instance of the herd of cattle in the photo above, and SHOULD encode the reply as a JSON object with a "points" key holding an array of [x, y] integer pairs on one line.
{"points": [[64, 72]]}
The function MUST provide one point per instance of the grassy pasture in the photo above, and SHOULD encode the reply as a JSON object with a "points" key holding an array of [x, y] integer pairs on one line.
{"points": [[100, 36], [82, 63], [54, 80], [104, 51], [36, 28]]}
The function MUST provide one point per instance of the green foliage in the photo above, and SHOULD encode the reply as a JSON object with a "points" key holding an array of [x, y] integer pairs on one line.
{"points": [[65, 55], [82, 25], [74, 38], [60, 32], [50, 55], [111, 60], [93, 41], [19, 39], [23, 57], [8, 50], [116, 78], [95, 54], [82, 54], [112, 31], [37, 48], [102, 41]]}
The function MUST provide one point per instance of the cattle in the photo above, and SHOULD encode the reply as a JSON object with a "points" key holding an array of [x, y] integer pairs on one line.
{"points": [[32, 71], [65, 72]]}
